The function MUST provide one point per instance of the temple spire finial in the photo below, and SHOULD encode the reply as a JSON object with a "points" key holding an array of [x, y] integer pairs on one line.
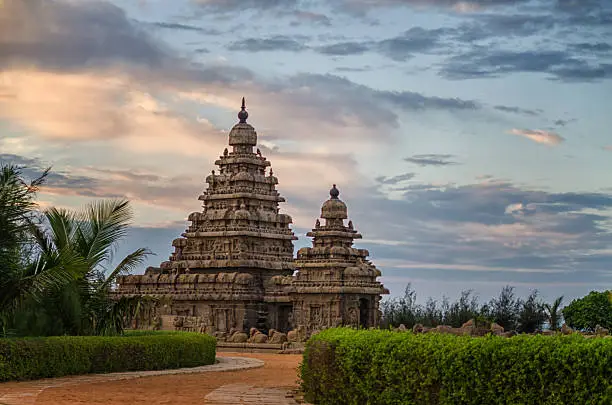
{"points": [[243, 114], [334, 192]]}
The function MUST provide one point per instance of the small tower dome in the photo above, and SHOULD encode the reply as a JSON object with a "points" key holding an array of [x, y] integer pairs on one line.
{"points": [[334, 208], [243, 134]]}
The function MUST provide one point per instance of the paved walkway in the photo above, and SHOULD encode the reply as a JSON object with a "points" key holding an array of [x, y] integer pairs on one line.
{"points": [[27, 392], [239, 394]]}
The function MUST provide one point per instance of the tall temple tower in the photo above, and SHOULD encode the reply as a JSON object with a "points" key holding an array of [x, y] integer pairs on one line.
{"points": [[240, 227], [336, 284], [232, 269], [217, 275]]}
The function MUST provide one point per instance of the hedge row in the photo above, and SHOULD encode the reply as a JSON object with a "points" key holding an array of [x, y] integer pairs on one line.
{"points": [[345, 366], [32, 358]]}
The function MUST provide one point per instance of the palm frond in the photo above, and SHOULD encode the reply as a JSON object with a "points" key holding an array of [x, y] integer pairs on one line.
{"points": [[127, 265], [17, 204], [61, 223], [103, 225]]}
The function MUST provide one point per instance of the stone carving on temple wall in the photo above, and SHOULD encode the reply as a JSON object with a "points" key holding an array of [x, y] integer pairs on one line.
{"points": [[352, 316]]}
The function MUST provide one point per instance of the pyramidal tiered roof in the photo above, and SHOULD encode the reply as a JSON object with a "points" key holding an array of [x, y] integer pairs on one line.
{"points": [[240, 225], [332, 264]]}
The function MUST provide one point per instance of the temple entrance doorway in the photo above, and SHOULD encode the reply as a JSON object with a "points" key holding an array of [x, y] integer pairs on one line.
{"points": [[363, 313], [284, 314]]}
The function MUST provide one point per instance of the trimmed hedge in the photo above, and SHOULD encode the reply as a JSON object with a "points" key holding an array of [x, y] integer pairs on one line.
{"points": [[32, 358], [345, 366]]}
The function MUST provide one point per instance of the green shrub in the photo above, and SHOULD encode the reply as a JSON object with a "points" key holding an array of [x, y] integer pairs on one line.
{"points": [[587, 312], [345, 366], [32, 358]]}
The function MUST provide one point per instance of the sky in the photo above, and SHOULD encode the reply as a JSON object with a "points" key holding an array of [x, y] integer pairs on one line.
{"points": [[470, 139]]}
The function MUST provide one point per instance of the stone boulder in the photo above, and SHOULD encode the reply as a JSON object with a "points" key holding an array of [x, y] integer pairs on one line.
{"points": [[469, 324], [297, 335], [566, 330], [278, 338], [443, 329], [418, 328], [601, 331], [259, 338], [220, 335], [238, 337], [497, 329]]}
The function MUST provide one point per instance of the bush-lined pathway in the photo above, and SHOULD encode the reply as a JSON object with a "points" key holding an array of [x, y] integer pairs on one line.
{"points": [[239, 378]]}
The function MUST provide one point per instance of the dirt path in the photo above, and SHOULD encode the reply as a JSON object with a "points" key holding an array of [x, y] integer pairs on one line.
{"points": [[266, 385]]}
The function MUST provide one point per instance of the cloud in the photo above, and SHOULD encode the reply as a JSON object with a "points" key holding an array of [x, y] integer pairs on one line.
{"points": [[276, 43], [460, 6], [394, 180], [344, 69], [414, 40], [564, 122], [184, 27], [502, 231], [55, 180], [91, 106], [345, 48], [431, 160], [224, 6], [482, 63], [595, 47], [492, 25], [399, 48], [42, 33], [95, 98], [518, 110], [175, 193], [539, 136], [308, 17]]}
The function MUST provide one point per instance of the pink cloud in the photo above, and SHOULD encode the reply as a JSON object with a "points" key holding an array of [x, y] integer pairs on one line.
{"points": [[539, 136]]}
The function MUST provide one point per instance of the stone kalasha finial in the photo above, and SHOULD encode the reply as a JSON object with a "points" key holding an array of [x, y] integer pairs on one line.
{"points": [[334, 208], [243, 114], [334, 192]]}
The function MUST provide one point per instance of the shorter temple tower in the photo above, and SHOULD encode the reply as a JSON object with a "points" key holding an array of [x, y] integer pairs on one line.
{"points": [[336, 284]]}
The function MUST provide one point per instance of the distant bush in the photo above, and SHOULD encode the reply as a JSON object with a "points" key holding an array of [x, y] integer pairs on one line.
{"points": [[512, 313], [587, 312], [32, 358], [345, 366]]}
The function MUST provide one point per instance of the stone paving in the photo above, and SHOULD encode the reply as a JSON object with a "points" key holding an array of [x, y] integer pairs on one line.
{"points": [[239, 394], [27, 394]]}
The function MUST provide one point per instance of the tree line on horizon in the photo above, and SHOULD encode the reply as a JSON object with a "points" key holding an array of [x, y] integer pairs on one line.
{"points": [[513, 313]]}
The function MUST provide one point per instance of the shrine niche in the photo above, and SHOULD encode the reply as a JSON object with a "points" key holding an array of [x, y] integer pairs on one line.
{"points": [[233, 267]]}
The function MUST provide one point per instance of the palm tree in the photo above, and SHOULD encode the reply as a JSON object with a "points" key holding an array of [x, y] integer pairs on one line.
{"points": [[554, 314], [84, 306], [23, 276]]}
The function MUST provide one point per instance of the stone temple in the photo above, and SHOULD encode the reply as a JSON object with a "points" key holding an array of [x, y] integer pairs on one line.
{"points": [[233, 268]]}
